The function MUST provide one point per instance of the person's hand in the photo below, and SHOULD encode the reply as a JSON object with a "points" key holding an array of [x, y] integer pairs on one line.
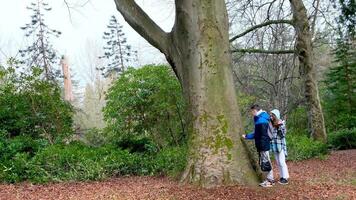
{"points": [[244, 136]]}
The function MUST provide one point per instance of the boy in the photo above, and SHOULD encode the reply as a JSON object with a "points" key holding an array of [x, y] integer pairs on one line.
{"points": [[262, 142]]}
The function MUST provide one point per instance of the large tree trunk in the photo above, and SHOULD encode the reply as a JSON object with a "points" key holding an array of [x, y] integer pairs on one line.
{"points": [[200, 53], [198, 50], [306, 61]]}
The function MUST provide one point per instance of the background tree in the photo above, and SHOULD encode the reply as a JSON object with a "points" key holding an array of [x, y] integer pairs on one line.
{"points": [[307, 66], [341, 78], [117, 52], [270, 74], [277, 17], [40, 53], [198, 50]]}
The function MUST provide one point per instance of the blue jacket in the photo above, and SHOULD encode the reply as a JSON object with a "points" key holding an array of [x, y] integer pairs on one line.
{"points": [[260, 134]]}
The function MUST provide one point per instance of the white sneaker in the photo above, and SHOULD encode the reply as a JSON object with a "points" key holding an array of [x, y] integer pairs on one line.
{"points": [[266, 183]]}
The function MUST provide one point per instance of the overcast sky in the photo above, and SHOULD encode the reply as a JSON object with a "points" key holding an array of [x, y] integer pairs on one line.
{"points": [[86, 25]]}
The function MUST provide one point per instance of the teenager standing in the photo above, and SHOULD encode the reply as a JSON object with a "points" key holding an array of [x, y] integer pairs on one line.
{"points": [[279, 145], [262, 142]]}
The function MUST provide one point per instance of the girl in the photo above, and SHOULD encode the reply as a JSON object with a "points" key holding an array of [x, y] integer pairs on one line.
{"points": [[278, 145]]}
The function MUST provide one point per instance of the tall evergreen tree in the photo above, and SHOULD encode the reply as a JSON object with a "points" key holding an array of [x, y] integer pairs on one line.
{"points": [[117, 52], [341, 78], [41, 52]]}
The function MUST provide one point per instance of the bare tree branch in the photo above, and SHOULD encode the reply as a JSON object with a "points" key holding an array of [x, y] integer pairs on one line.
{"points": [[143, 24], [267, 23], [71, 6], [263, 51], [313, 24], [69, 12]]}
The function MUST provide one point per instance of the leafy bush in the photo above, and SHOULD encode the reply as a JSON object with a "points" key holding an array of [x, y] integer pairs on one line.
{"points": [[297, 122], [15, 155], [69, 162], [80, 162], [343, 139], [147, 102], [32, 106], [137, 144], [171, 161], [301, 147], [95, 137], [15, 169], [21, 144]]}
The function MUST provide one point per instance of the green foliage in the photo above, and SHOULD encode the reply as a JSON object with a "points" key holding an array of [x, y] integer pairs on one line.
{"points": [[137, 144], [343, 139], [79, 162], [15, 154], [95, 137], [245, 101], [301, 147], [147, 102], [340, 82], [347, 17], [297, 121], [32, 106]]}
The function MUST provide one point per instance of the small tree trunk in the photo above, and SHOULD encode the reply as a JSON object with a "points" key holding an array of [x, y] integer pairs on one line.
{"points": [[68, 94], [306, 61], [200, 54]]}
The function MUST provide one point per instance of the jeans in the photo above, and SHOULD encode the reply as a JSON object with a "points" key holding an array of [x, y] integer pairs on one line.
{"points": [[282, 165], [264, 157]]}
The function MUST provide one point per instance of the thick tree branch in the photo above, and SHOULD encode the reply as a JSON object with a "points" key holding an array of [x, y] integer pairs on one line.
{"points": [[143, 24], [267, 23], [263, 51]]}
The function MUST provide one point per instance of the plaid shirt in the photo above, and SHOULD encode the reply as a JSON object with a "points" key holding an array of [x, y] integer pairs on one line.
{"points": [[278, 141]]}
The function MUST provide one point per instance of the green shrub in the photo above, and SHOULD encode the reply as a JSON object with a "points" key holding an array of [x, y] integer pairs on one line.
{"points": [[15, 169], [32, 106], [297, 122], [301, 147], [342, 139], [137, 144], [15, 156], [68, 162], [21, 144], [95, 137], [79, 162], [147, 102], [171, 161]]}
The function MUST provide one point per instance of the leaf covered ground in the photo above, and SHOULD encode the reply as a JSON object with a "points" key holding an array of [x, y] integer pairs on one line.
{"points": [[331, 178]]}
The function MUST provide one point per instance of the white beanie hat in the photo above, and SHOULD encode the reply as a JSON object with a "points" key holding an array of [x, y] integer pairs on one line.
{"points": [[276, 113]]}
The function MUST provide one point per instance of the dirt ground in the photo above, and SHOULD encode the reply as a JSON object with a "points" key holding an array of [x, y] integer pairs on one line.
{"points": [[332, 178]]}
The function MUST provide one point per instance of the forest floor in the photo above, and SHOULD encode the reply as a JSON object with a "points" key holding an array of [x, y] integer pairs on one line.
{"points": [[331, 178]]}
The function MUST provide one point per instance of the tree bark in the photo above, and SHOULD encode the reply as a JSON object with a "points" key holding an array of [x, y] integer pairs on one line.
{"points": [[198, 50], [306, 63]]}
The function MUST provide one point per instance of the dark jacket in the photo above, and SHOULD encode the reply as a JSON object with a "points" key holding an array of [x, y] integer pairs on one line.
{"points": [[260, 134]]}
